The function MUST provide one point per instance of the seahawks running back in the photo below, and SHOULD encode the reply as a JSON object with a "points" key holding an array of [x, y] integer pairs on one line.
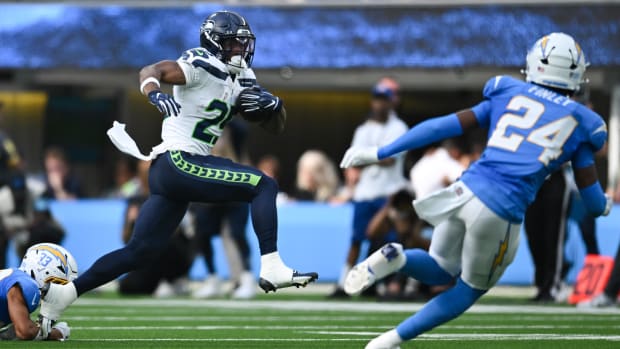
{"points": [[211, 84], [534, 128]]}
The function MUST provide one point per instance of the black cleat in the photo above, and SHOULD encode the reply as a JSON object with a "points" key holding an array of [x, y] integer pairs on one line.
{"points": [[297, 279]]}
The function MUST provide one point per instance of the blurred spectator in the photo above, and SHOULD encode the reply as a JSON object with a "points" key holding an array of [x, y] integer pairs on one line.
{"points": [[378, 181], [616, 192], [545, 225], [317, 179], [270, 165], [13, 193], [394, 86], [439, 167], [42, 228], [211, 220], [61, 184], [168, 275], [399, 216], [345, 193], [126, 180]]}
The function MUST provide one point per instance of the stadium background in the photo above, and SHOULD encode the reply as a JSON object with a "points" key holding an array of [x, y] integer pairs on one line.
{"points": [[68, 70]]}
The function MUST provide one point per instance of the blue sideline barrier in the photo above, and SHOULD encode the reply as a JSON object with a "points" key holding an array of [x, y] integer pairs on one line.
{"points": [[311, 237]]}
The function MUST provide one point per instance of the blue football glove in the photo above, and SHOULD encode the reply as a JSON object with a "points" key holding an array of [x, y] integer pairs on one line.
{"points": [[165, 103], [256, 99]]}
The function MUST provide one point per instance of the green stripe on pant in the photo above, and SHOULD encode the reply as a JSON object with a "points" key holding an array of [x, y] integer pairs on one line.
{"points": [[212, 173]]}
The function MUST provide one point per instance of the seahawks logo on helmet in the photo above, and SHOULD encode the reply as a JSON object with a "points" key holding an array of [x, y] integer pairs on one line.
{"points": [[228, 36]]}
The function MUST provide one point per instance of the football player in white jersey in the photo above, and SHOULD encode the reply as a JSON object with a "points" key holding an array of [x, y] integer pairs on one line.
{"points": [[211, 84]]}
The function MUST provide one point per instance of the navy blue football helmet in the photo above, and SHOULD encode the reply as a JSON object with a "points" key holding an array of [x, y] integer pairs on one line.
{"points": [[228, 36]]}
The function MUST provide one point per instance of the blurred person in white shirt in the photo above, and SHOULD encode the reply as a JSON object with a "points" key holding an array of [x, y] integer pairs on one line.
{"points": [[439, 167], [378, 181]]}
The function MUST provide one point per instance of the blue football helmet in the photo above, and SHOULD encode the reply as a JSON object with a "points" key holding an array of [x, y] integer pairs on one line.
{"points": [[228, 36]]}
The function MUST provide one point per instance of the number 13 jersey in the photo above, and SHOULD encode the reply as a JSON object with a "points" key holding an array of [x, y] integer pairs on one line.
{"points": [[532, 132], [207, 100]]}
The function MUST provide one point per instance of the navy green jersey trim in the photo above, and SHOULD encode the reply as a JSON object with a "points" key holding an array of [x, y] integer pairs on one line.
{"points": [[246, 82], [214, 174], [201, 63]]}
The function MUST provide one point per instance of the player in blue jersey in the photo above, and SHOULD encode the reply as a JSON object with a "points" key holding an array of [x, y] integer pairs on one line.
{"points": [[20, 292], [534, 127]]}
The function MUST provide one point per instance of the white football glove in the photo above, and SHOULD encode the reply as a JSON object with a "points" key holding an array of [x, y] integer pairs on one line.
{"points": [[358, 156], [608, 206], [64, 329]]}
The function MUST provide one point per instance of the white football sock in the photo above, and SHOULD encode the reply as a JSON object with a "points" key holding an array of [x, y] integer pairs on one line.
{"points": [[387, 260], [271, 262]]}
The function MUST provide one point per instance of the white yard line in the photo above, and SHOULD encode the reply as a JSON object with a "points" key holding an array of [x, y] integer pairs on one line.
{"points": [[433, 337], [331, 306], [217, 339], [332, 327], [221, 318], [485, 336]]}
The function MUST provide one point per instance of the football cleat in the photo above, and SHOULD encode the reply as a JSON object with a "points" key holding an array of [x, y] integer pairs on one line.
{"points": [[359, 278], [388, 340], [387, 260], [211, 288], [56, 299], [247, 286], [296, 279]]}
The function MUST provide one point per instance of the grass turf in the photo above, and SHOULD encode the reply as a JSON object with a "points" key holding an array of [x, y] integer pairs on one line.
{"points": [[283, 321]]}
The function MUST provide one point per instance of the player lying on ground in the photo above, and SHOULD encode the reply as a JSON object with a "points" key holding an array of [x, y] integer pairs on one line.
{"points": [[20, 292], [534, 127], [211, 83]]}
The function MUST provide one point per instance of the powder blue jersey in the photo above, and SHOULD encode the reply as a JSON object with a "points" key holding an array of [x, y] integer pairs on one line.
{"points": [[29, 288], [532, 132]]}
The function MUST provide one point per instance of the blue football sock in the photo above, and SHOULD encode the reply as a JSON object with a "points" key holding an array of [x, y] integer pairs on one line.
{"points": [[422, 267], [265, 216], [440, 310]]}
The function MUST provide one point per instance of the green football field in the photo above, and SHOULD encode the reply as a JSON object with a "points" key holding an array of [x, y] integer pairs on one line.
{"points": [[307, 321]]}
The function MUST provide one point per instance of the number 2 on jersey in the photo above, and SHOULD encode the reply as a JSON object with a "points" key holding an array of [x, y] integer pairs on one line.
{"points": [[551, 136], [201, 130]]}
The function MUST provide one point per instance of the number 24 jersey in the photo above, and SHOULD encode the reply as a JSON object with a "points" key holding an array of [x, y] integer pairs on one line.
{"points": [[532, 132]]}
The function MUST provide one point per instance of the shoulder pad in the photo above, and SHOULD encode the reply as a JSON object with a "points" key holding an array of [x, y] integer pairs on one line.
{"points": [[498, 84]]}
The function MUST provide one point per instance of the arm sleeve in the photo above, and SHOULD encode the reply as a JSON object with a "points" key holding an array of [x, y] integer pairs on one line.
{"points": [[594, 198], [425, 133], [599, 136], [583, 157], [31, 294], [483, 113]]}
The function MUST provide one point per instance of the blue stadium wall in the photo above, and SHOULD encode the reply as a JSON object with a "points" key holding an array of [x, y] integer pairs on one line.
{"points": [[311, 236], [51, 35]]}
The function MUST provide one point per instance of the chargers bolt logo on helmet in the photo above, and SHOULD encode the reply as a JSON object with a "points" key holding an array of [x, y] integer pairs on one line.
{"points": [[556, 60], [49, 263]]}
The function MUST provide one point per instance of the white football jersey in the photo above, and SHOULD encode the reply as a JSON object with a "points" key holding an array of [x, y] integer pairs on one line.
{"points": [[207, 100]]}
